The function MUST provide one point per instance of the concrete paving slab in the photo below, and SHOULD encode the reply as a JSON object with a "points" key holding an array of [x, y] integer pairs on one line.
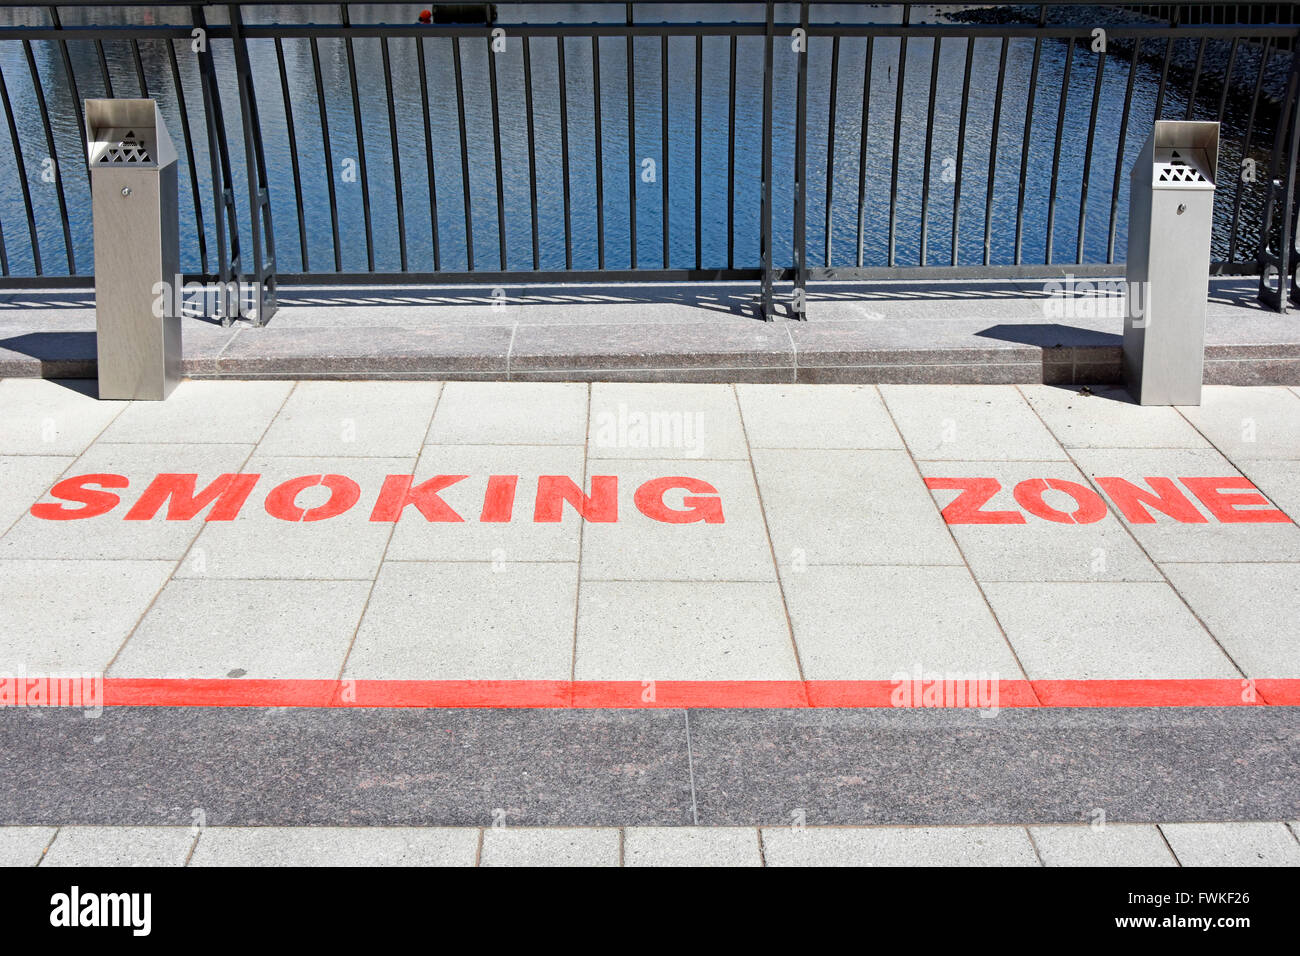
{"points": [[257, 544], [202, 412], [72, 616], [1105, 631], [521, 538], [816, 416], [531, 846], [1167, 539], [23, 479], [51, 417], [1109, 418], [682, 630], [641, 547], [969, 422], [468, 621], [1233, 844], [1041, 548], [871, 623], [898, 846], [353, 420], [336, 846], [256, 629], [845, 507], [1111, 845], [519, 413], [24, 846], [664, 421], [120, 846], [1252, 609], [109, 535], [1279, 480], [691, 846], [1248, 423]]}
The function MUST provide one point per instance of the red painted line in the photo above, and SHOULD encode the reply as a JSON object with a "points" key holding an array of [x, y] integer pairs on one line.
{"points": [[166, 692]]}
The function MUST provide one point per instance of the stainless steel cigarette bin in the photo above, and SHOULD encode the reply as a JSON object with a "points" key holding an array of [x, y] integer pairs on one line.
{"points": [[1171, 213], [137, 258]]}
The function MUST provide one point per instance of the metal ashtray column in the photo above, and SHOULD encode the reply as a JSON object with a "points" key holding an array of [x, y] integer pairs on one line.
{"points": [[137, 257]]}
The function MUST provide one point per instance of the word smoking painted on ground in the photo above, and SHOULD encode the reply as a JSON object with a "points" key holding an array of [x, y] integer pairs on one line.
{"points": [[673, 499]]}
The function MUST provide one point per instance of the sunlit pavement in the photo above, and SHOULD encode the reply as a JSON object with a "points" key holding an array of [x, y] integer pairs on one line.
{"points": [[631, 606]]}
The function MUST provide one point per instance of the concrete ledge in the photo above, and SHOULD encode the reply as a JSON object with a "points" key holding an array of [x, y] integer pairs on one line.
{"points": [[892, 332]]}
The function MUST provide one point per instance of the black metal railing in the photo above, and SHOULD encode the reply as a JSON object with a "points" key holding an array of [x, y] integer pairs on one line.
{"points": [[786, 142]]}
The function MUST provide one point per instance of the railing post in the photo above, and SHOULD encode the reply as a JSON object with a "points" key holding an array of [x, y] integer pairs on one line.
{"points": [[766, 307], [1281, 192], [223, 192], [799, 294]]}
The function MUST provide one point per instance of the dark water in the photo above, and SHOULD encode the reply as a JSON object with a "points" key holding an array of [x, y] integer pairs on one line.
{"points": [[677, 162]]}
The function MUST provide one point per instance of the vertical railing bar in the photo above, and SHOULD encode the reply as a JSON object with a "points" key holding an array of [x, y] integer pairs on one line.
{"points": [[1029, 127], [862, 146], [189, 156], [961, 145], [54, 156], [293, 150], [564, 150], [1245, 147], [103, 69], [993, 152], [632, 163], [532, 148], [731, 161], [663, 122], [800, 239], [1054, 186], [600, 160], [4, 257], [361, 141], [1196, 79], [76, 96], [1164, 69], [225, 218], [830, 143], [428, 155], [397, 157], [328, 154], [1087, 155], [766, 307], [1119, 150], [936, 51], [1227, 78], [139, 69], [22, 173], [464, 154], [699, 149], [898, 126], [496, 152]]}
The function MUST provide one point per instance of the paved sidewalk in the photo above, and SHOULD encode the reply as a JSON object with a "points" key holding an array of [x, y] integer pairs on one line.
{"points": [[1169, 844]]}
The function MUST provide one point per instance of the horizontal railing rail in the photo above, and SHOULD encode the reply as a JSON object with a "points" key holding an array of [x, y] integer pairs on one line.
{"points": [[789, 142]]}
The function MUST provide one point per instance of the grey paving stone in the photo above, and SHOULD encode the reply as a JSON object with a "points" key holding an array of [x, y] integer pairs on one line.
{"points": [[821, 510], [1251, 608], [1110, 419], [23, 846], [682, 630], [679, 346], [970, 422], [1278, 480], [468, 621], [691, 846], [120, 846], [664, 421], [345, 767], [871, 623], [1233, 844], [827, 416], [202, 412], [1023, 766], [352, 419], [1105, 631], [72, 616], [336, 846], [1249, 422], [527, 846], [365, 352], [898, 846], [23, 479], [51, 417], [1112, 845], [514, 413], [256, 629]]}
